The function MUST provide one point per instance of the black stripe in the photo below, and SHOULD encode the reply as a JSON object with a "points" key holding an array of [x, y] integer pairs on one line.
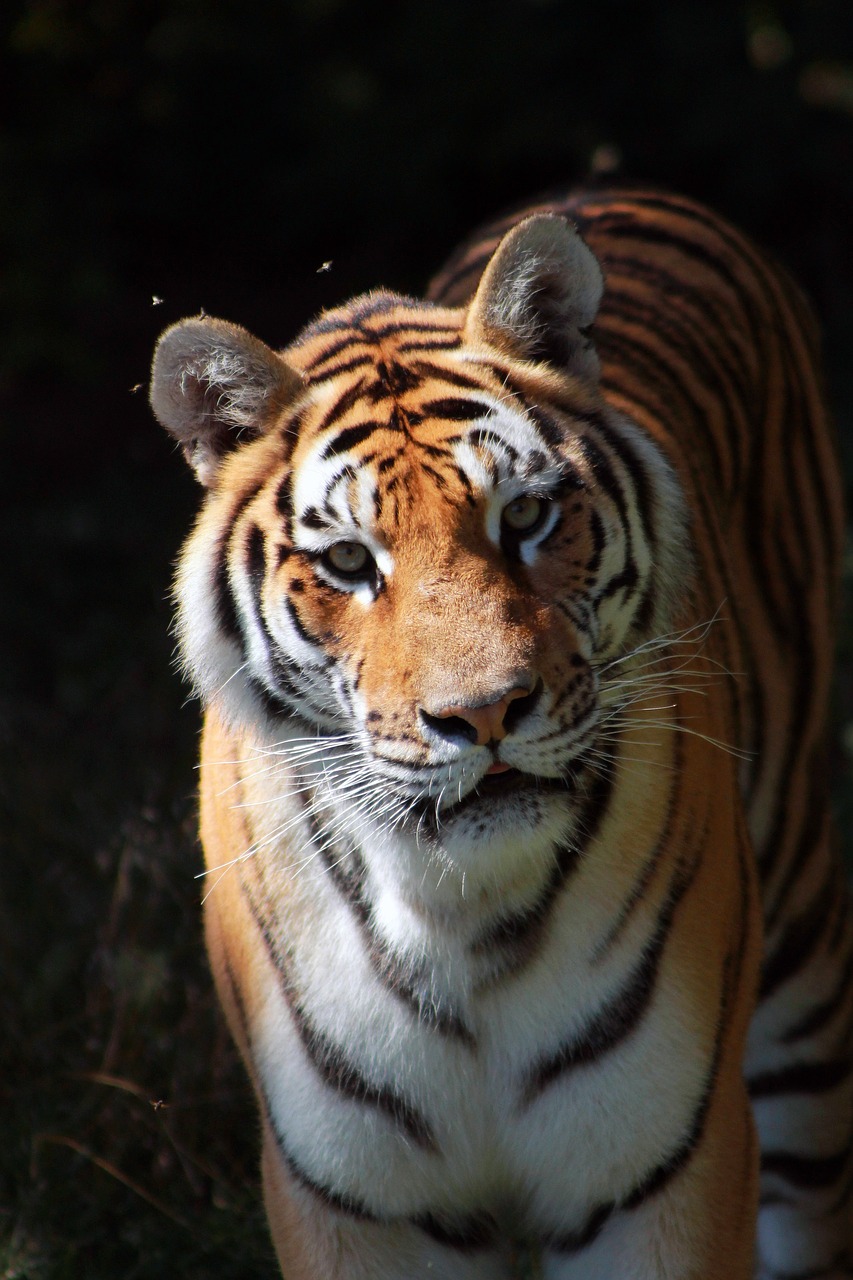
{"points": [[609, 1028], [625, 580], [810, 844], [645, 233], [282, 667], [287, 672], [773, 319], [628, 576], [842, 1199], [236, 993], [621, 1015], [342, 405], [467, 487], [392, 380], [603, 471], [648, 362], [644, 878], [439, 344], [256, 562], [808, 1173], [476, 1231], [738, 246], [331, 1063], [485, 437], [822, 504], [575, 1241], [599, 541], [350, 437], [521, 933], [343, 366], [798, 942], [299, 627], [455, 409], [439, 479], [378, 303], [388, 462], [554, 433], [272, 702], [816, 1019], [438, 451], [791, 622], [328, 1058], [314, 519], [225, 604], [352, 339], [628, 264], [636, 469], [656, 1179], [801, 1077], [687, 334], [666, 1170], [402, 979], [404, 324], [226, 612], [671, 1165], [343, 1203], [426, 369], [647, 406], [284, 499]]}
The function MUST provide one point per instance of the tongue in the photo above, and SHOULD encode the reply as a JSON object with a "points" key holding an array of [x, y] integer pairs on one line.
{"points": [[498, 768]]}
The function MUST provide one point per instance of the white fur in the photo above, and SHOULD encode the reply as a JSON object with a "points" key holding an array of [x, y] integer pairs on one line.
{"points": [[557, 1157]]}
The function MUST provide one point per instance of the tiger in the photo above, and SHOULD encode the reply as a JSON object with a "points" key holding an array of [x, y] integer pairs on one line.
{"points": [[512, 611]]}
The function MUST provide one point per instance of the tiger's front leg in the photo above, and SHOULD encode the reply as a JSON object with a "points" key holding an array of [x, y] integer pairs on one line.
{"points": [[698, 1225], [699, 1228], [671, 1238], [314, 1241]]}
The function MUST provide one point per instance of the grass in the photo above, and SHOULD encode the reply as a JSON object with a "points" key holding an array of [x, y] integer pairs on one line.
{"points": [[129, 1143], [129, 1132]]}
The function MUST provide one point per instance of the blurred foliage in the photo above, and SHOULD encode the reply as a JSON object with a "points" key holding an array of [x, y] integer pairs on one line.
{"points": [[209, 153]]}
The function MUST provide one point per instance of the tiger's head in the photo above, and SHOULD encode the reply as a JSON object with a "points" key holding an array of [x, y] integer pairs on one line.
{"points": [[424, 534]]}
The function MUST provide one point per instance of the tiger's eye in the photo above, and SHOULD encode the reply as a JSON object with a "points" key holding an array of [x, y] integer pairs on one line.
{"points": [[348, 558], [523, 513]]}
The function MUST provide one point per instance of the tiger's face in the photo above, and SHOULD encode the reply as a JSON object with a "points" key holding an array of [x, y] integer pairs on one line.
{"points": [[430, 541]]}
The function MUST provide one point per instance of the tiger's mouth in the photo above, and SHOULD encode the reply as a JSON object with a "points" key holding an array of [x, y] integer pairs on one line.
{"points": [[495, 787], [495, 784]]}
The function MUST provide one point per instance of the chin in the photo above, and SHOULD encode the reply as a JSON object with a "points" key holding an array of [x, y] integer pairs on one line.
{"points": [[507, 821], [510, 798]]}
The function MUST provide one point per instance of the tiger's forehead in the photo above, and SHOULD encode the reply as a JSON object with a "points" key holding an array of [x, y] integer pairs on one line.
{"points": [[401, 414], [392, 338], [379, 443]]}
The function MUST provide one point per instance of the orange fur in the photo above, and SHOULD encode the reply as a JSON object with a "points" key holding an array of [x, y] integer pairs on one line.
{"points": [[420, 968]]}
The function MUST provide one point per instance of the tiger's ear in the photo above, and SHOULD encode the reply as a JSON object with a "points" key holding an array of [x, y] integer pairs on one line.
{"points": [[213, 384], [539, 295]]}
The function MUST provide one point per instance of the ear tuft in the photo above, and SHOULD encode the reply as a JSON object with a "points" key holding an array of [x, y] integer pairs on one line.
{"points": [[539, 295], [214, 384]]}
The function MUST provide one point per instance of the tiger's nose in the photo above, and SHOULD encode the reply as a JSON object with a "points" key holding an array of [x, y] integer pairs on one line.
{"points": [[490, 722]]}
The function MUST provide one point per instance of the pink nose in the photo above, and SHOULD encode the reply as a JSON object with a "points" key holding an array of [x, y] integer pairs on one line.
{"points": [[488, 721]]}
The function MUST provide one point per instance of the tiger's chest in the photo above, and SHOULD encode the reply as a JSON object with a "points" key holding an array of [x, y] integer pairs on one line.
{"points": [[515, 1072]]}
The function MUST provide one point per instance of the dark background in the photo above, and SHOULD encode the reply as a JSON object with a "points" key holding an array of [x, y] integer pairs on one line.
{"points": [[215, 154]]}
